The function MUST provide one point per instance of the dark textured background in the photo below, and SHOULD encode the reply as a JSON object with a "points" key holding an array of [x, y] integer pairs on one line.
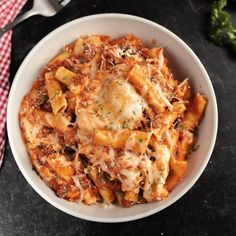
{"points": [[209, 208]]}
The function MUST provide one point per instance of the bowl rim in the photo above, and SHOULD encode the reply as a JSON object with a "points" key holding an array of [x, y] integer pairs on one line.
{"points": [[178, 195]]}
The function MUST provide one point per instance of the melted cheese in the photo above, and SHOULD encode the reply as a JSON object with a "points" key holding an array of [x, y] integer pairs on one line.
{"points": [[121, 104], [156, 172], [117, 106], [31, 131], [130, 172]]}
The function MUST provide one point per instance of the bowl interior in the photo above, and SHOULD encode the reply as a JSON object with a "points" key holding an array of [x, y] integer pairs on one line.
{"points": [[183, 61]]}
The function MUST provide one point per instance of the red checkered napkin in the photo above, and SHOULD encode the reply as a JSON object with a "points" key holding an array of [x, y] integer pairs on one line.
{"points": [[9, 9]]}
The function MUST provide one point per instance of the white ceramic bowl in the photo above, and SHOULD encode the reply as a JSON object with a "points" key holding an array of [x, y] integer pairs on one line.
{"points": [[184, 62]]}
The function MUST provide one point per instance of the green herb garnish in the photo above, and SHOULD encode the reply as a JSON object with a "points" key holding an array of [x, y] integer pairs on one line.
{"points": [[222, 31]]}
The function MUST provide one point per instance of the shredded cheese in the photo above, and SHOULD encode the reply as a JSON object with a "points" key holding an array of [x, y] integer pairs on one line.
{"points": [[163, 97]]}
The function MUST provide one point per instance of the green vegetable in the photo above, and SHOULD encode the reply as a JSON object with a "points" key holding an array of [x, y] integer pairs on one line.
{"points": [[222, 31]]}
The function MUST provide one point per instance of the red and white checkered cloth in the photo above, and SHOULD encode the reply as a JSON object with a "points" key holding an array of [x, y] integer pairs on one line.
{"points": [[9, 9]]}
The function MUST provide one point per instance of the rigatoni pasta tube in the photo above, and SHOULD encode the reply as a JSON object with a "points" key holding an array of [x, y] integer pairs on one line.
{"points": [[194, 113], [56, 97], [60, 165], [55, 121], [168, 118], [106, 193], [177, 170], [64, 75], [136, 141], [60, 58], [144, 86]]}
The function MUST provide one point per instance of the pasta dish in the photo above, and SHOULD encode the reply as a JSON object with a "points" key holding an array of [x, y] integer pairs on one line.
{"points": [[107, 121]]}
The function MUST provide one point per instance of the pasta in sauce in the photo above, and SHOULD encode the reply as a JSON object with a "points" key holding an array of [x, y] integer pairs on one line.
{"points": [[106, 121]]}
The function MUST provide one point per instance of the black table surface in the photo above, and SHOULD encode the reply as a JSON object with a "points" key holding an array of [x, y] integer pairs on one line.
{"points": [[209, 208]]}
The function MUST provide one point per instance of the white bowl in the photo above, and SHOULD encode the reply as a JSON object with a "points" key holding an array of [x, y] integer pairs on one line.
{"points": [[184, 62]]}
